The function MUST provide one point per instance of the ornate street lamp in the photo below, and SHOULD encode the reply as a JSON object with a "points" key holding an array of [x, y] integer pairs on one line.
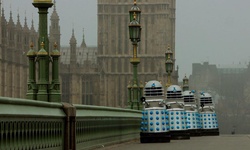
{"points": [[169, 53], [134, 30], [135, 9], [43, 90], [43, 81], [169, 65], [134, 89]]}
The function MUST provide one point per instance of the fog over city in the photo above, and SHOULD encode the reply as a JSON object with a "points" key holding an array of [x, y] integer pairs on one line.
{"points": [[216, 31]]}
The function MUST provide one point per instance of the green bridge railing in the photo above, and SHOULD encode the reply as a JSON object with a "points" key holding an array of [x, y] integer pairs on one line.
{"points": [[29, 125]]}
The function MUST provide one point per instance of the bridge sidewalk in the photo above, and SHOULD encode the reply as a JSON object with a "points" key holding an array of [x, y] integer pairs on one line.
{"points": [[222, 142]]}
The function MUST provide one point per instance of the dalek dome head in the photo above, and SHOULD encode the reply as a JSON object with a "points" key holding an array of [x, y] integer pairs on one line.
{"points": [[174, 88], [174, 91], [205, 98], [188, 96], [188, 93], [205, 95], [153, 89]]}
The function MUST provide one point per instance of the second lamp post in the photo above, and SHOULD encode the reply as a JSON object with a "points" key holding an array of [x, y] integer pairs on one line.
{"points": [[135, 90]]}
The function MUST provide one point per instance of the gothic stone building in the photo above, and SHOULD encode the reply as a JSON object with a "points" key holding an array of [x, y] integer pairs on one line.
{"points": [[14, 43], [99, 76], [79, 73]]}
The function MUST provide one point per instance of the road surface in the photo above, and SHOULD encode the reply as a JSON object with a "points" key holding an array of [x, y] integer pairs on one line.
{"points": [[222, 142]]}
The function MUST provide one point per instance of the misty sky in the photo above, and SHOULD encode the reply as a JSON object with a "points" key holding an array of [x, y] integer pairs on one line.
{"points": [[217, 31]]}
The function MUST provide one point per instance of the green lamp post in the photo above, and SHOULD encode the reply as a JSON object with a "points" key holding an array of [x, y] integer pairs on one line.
{"points": [[43, 90], [42, 93], [130, 94], [185, 84], [55, 95], [43, 83], [43, 6], [32, 87], [169, 65], [135, 90]]}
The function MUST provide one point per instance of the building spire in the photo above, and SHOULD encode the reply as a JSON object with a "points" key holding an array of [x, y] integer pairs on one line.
{"points": [[54, 14], [25, 18], [10, 12], [25, 27], [73, 39], [11, 18], [32, 24], [54, 28], [18, 24], [3, 12], [73, 48], [18, 16], [83, 45], [54, 5], [73, 32], [3, 15]]}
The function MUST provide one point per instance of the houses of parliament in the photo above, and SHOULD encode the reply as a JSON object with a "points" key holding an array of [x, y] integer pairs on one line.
{"points": [[94, 75]]}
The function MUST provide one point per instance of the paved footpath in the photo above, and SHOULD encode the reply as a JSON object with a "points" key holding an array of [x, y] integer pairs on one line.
{"points": [[222, 142]]}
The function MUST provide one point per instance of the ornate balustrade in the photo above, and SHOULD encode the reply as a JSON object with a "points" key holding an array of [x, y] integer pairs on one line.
{"points": [[26, 124], [98, 126], [29, 125]]}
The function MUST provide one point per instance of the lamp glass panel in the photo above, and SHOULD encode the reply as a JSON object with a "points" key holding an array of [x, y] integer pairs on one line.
{"points": [[134, 32]]}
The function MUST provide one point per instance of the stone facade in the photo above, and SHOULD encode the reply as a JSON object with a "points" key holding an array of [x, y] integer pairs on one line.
{"points": [[79, 73], [99, 76], [14, 43], [115, 48]]}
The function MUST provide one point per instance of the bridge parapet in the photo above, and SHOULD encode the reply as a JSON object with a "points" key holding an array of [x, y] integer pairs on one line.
{"points": [[97, 126], [29, 124]]}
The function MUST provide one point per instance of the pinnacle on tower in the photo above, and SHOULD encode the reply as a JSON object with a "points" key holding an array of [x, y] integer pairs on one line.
{"points": [[32, 25], [18, 24], [3, 12], [18, 17], [54, 5], [25, 21], [83, 45], [73, 39], [11, 18], [54, 14]]}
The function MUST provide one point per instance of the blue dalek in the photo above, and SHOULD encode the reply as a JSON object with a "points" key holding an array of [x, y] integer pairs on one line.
{"points": [[154, 124], [208, 115], [192, 113], [177, 114]]}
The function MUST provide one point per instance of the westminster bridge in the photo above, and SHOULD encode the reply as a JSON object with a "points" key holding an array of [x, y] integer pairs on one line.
{"points": [[39, 123], [28, 124]]}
